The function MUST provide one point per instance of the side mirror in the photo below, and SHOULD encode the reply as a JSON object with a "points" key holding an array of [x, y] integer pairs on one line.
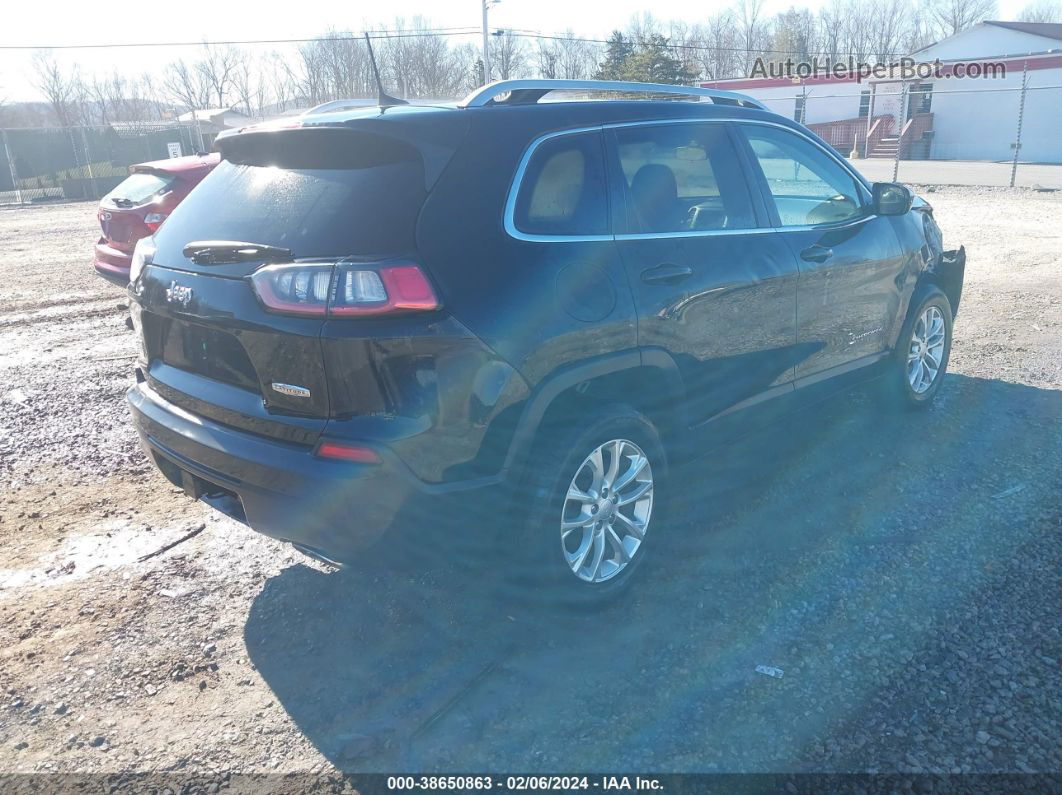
{"points": [[891, 198]]}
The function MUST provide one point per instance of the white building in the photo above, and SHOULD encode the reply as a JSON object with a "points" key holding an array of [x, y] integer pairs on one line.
{"points": [[946, 118]]}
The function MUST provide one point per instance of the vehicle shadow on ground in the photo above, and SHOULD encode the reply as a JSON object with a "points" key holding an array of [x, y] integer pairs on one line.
{"points": [[837, 546]]}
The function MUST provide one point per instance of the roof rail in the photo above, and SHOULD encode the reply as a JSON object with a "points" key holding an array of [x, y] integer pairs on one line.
{"points": [[340, 104], [528, 92]]}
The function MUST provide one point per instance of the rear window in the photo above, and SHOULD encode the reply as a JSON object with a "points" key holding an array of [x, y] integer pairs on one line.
{"points": [[139, 188], [328, 196], [563, 189]]}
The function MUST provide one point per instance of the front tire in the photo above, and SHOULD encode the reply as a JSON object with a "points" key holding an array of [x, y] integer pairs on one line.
{"points": [[593, 505], [915, 372]]}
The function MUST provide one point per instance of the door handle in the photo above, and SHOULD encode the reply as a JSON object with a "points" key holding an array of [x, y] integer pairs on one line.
{"points": [[666, 274], [816, 253]]}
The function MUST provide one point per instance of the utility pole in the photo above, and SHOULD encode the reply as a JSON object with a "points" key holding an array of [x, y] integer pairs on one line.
{"points": [[486, 45], [486, 40]]}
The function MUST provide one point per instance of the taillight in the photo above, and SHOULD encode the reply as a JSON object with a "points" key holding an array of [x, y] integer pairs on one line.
{"points": [[294, 289], [392, 288], [142, 254], [154, 220], [343, 289]]}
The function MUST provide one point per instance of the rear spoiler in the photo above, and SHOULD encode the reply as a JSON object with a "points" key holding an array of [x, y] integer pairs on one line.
{"points": [[432, 139], [153, 167]]}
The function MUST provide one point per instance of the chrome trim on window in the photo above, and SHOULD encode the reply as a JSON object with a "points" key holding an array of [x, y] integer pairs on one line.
{"points": [[753, 230], [862, 219], [516, 184]]}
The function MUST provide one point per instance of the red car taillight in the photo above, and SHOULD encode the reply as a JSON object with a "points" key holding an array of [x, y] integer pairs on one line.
{"points": [[154, 220], [343, 289]]}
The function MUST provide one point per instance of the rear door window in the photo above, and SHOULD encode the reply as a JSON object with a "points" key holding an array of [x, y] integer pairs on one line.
{"points": [[563, 188], [138, 189], [683, 178]]}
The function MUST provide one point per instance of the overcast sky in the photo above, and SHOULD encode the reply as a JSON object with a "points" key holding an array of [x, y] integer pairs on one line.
{"points": [[60, 22]]}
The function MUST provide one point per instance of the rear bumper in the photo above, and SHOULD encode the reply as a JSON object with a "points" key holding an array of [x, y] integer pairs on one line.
{"points": [[111, 263], [282, 490]]}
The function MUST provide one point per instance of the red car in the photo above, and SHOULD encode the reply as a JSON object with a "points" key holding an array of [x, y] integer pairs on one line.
{"points": [[139, 205]]}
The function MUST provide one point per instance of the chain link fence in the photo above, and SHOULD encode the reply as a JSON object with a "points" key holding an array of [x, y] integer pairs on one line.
{"points": [[40, 165], [943, 133], [960, 132]]}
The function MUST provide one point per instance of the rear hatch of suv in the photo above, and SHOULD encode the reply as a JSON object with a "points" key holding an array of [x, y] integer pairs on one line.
{"points": [[293, 228]]}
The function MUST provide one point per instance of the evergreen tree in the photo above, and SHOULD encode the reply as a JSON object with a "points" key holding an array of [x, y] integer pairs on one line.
{"points": [[617, 52], [654, 62]]}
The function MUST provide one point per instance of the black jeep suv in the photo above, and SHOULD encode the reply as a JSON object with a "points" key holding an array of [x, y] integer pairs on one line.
{"points": [[379, 319]]}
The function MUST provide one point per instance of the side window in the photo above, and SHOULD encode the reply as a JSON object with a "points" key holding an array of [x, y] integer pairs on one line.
{"points": [[807, 185], [563, 188], [683, 178]]}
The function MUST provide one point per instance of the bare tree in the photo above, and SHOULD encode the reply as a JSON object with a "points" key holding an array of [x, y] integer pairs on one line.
{"points": [[643, 26], [344, 59], [719, 54], [752, 30], [308, 74], [547, 59], [435, 71], [888, 21], [249, 88], [397, 56], [59, 87], [469, 60], [1042, 11], [795, 35], [184, 84], [566, 57], [683, 39], [278, 76], [955, 16], [919, 33], [508, 56], [217, 70]]}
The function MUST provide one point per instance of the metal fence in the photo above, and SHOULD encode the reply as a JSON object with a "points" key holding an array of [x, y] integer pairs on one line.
{"points": [[64, 164], [955, 132], [949, 132]]}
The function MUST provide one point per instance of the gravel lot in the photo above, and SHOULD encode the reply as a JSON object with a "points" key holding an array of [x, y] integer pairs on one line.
{"points": [[903, 572]]}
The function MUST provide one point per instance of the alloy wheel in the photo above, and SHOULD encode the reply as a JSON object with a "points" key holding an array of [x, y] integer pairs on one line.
{"points": [[606, 511], [926, 352]]}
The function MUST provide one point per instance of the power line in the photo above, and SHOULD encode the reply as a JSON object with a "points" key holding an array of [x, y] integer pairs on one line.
{"points": [[704, 47], [433, 32], [234, 42]]}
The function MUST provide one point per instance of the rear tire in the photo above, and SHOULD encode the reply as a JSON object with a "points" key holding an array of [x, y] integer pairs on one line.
{"points": [[915, 371], [592, 505]]}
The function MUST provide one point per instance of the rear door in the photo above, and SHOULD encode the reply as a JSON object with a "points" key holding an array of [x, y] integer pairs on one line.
{"points": [[851, 264], [714, 286]]}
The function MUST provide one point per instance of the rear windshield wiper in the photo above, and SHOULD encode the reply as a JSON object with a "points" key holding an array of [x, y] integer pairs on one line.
{"points": [[120, 202], [218, 252]]}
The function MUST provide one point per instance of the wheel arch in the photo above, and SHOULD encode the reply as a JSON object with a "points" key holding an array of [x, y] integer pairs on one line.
{"points": [[648, 380]]}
